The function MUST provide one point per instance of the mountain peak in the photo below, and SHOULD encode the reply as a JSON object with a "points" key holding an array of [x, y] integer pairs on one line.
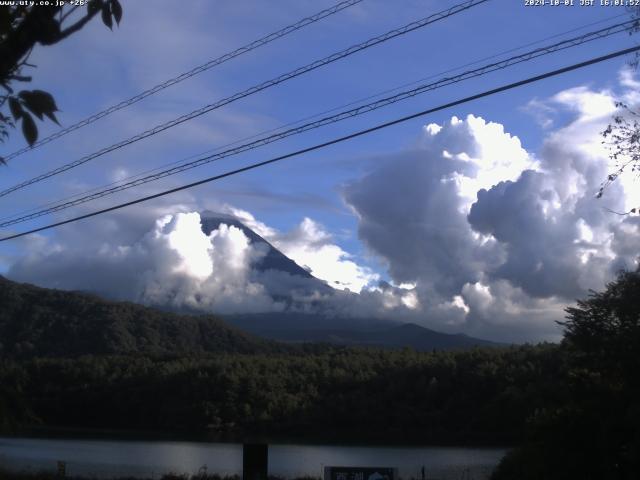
{"points": [[273, 260]]}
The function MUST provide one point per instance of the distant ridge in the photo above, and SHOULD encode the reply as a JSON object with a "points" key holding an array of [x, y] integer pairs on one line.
{"points": [[38, 321], [298, 328]]}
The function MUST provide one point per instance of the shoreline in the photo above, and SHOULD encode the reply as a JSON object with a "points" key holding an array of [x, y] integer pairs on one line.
{"points": [[108, 460], [339, 439], [46, 475]]}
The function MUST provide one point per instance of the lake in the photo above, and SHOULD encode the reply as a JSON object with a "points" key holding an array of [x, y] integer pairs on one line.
{"points": [[150, 459]]}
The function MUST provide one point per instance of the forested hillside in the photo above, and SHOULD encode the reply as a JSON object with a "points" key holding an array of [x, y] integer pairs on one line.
{"points": [[53, 323]]}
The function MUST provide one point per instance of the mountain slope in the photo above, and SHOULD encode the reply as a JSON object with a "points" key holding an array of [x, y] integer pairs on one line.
{"points": [[273, 259], [37, 321], [310, 327], [43, 322]]}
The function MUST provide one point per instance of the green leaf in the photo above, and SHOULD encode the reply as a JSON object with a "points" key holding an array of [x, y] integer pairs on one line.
{"points": [[40, 103], [29, 129], [52, 117], [15, 107], [33, 110], [116, 10], [45, 100], [106, 16], [93, 6]]}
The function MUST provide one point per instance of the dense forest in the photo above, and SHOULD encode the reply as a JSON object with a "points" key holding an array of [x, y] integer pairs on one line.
{"points": [[572, 407], [593, 430], [463, 397]]}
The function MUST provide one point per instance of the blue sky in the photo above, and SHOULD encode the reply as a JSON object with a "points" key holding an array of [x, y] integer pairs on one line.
{"points": [[157, 40]]}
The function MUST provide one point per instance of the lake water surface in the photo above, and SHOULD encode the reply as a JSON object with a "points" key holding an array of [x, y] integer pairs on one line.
{"points": [[151, 459]]}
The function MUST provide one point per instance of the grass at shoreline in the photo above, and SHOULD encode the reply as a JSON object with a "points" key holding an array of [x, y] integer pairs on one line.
{"points": [[47, 475]]}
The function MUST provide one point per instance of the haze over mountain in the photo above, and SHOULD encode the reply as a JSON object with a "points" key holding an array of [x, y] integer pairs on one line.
{"points": [[36, 321], [215, 263], [190, 268], [314, 327], [298, 328]]}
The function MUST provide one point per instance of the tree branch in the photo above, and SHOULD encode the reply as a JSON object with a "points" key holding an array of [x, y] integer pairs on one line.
{"points": [[78, 25], [69, 12], [38, 26]]}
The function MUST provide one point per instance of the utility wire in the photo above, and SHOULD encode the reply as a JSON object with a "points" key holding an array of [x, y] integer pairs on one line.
{"points": [[319, 146], [256, 88], [195, 71], [310, 117], [524, 57]]}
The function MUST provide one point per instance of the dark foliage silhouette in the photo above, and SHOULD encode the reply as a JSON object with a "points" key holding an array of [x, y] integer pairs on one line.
{"points": [[23, 27], [594, 431]]}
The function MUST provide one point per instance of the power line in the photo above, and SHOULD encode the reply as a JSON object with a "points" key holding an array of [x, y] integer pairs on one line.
{"points": [[492, 67], [336, 140], [195, 71], [332, 119], [310, 117], [255, 89]]}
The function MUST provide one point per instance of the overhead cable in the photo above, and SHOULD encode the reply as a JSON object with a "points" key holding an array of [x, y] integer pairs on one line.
{"points": [[191, 73], [492, 67], [252, 90], [359, 133]]}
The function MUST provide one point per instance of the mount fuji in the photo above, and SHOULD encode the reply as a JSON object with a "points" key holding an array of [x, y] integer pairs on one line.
{"points": [[307, 327]]}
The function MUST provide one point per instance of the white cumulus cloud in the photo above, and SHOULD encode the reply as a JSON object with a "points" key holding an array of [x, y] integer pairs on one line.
{"points": [[312, 247], [174, 264], [498, 240]]}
